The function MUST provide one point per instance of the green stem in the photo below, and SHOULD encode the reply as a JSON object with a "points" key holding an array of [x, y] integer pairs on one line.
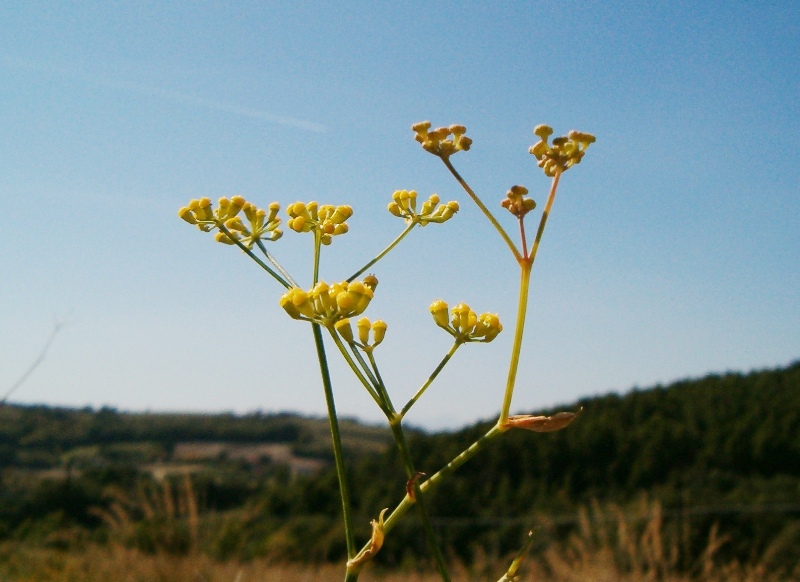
{"points": [[374, 376], [275, 263], [526, 264], [430, 379], [522, 309], [317, 245], [462, 458], [402, 447], [253, 256], [344, 489], [483, 208], [448, 469], [424, 516], [384, 252], [545, 214], [358, 373]]}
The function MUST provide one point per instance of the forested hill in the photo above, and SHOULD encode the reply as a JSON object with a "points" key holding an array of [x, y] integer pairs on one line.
{"points": [[720, 448], [731, 424], [705, 433], [724, 449]]}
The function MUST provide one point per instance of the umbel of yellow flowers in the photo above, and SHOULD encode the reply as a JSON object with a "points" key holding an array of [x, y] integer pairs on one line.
{"points": [[261, 224], [463, 324], [565, 152], [326, 304], [404, 205]]}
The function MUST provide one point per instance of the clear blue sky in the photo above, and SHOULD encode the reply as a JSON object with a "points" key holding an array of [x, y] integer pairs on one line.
{"points": [[672, 251]]}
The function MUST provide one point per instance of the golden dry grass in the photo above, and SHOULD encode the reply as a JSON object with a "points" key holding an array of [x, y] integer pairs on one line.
{"points": [[118, 564], [609, 546]]}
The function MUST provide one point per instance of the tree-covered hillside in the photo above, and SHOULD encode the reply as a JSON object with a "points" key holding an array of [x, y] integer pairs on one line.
{"points": [[721, 449]]}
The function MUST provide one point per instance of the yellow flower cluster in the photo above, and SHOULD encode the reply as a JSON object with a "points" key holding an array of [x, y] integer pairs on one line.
{"points": [[439, 141], [463, 324], [262, 224], [328, 220], [404, 205], [517, 203], [565, 152], [326, 304], [364, 326]]}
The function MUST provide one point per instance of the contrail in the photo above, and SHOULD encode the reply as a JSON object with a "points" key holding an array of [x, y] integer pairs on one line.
{"points": [[166, 95]]}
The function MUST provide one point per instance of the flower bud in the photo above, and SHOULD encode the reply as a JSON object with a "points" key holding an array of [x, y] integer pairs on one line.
{"points": [[345, 330], [439, 311], [363, 326], [378, 331], [186, 214], [371, 282]]}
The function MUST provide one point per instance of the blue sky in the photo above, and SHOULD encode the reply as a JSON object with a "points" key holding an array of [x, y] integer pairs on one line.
{"points": [[672, 250]]}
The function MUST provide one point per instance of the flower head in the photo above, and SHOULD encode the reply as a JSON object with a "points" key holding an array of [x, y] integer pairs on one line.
{"points": [[517, 202], [463, 324], [261, 224], [327, 220], [442, 141], [565, 151], [327, 304], [404, 205]]}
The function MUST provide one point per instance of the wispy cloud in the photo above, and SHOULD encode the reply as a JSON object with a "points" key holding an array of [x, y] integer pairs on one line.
{"points": [[164, 94]]}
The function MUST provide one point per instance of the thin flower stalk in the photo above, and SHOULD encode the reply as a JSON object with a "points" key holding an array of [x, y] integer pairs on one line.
{"points": [[408, 462], [359, 373], [276, 264], [430, 379], [501, 231], [516, 347], [338, 456], [383, 253], [285, 282]]}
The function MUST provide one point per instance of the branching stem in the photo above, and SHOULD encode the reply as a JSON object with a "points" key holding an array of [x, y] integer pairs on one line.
{"points": [[483, 208], [384, 252]]}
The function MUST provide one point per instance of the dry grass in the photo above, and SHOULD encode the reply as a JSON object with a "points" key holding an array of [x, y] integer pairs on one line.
{"points": [[609, 546], [117, 564]]}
